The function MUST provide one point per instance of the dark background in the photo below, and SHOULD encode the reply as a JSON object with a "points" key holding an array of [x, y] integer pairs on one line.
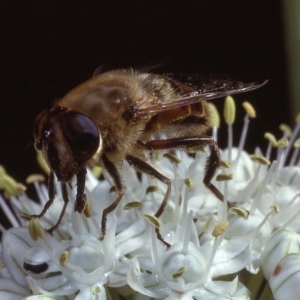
{"points": [[48, 47]]}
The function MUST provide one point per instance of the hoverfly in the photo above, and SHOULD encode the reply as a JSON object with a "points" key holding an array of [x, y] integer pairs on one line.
{"points": [[117, 116]]}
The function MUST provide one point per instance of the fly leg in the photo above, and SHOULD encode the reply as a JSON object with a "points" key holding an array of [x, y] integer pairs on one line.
{"points": [[144, 167], [116, 177], [51, 192], [213, 161]]}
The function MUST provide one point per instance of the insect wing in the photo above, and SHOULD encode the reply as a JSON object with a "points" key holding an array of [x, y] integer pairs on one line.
{"points": [[190, 93]]}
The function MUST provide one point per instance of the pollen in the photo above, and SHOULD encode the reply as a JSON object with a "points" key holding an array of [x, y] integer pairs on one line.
{"points": [[249, 109], [271, 138], [229, 110], [63, 259], [189, 183], [220, 228], [41, 161], [239, 212], [224, 177], [132, 205], [35, 230], [87, 210], [151, 189], [275, 208], [152, 220], [297, 143], [282, 143], [35, 178], [179, 272], [215, 117], [286, 129], [225, 163], [260, 159], [172, 158]]}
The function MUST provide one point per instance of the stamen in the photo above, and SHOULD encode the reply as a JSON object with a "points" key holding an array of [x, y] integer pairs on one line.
{"points": [[41, 161], [189, 185], [260, 159], [252, 114], [63, 259], [267, 178], [155, 256], [215, 117], [35, 178], [97, 171], [215, 120], [282, 145], [9, 186], [295, 153], [112, 189], [292, 138], [152, 220], [133, 205], [220, 228], [177, 199], [225, 163], [172, 158], [249, 109], [96, 290], [272, 143], [224, 177], [286, 129], [229, 110], [273, 209], [87, 210], [238, 211], [295, 216], [187, 234], [229, 115], [179, 272], [8, 213], [151, 189], [35, 230]]}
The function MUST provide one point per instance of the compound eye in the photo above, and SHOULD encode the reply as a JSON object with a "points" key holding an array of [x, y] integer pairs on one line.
{"points": [[81, 134]]}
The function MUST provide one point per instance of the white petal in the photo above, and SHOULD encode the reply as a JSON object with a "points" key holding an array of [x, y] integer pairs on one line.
{"points": [[231, 257], [88, 294], [145, 283], [15, 242], [43, 297], [192, 260], [280, 244], [9, 289], [221, 290], [285, 278]]}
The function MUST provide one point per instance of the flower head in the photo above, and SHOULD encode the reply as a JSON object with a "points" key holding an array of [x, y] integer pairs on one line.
{"points": [[255, 227]]}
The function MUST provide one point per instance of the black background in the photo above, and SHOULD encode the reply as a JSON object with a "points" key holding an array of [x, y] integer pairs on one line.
{"points": [[48, 47]]}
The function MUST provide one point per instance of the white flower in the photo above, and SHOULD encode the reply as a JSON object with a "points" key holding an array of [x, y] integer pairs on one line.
{"points": [[211, 241]]}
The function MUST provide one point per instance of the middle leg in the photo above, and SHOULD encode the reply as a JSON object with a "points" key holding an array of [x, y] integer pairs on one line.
{"points": [[213, 161]]}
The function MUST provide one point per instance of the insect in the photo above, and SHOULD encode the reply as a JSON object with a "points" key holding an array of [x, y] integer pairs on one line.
{"points": [[117, 116]]}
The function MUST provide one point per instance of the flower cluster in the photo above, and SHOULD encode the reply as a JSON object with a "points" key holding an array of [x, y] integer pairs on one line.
{"points": [[217, 247]]}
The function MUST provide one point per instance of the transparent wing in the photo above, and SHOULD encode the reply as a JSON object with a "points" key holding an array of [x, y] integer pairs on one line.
{"points": [[172, 93]]}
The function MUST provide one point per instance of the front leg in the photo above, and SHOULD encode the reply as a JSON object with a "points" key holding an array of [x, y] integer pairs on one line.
{"points": [[80, 201], [144, 167], [116, 177], [50, 202], [51, 192], [66, 200]]}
